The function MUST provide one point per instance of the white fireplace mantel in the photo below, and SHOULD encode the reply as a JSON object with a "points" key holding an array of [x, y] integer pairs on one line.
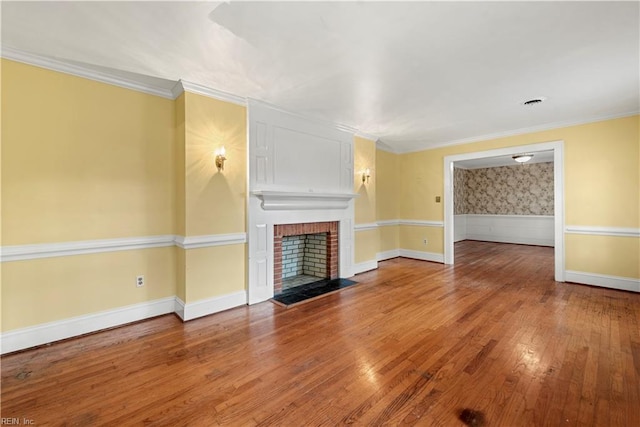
{"points": [[287, 200]]}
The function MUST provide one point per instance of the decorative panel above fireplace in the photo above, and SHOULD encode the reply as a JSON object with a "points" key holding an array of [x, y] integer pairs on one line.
{"points": [[295, 154]]}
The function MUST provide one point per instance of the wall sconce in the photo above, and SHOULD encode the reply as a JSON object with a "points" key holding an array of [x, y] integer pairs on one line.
{"points": [[220, 158], [366, 174]]}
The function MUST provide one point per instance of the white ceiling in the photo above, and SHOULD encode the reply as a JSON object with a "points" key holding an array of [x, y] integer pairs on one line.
{"points": [[414, 74]]}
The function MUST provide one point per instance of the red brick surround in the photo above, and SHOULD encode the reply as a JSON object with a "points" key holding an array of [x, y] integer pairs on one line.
{"points": [[282, 230]]}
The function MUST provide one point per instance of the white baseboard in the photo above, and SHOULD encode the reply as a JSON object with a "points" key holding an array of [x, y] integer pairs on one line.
{"points": [[514, 240], [614, 282], [394, 253], [54, 331], [361, 267], [193, 310], [425, 256]]}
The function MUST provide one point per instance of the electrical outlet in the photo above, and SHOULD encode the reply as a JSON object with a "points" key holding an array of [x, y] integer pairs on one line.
{"points": [[139, 281], [425, 241]]}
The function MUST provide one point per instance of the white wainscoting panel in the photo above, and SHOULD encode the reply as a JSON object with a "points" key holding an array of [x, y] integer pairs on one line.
{"points": [[459, 227], [522, 229], [54, 331]]}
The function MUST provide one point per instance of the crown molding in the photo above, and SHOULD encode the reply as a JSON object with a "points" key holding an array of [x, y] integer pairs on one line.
{"points": [[315, 120], [521, 131], [368, 136], [186, 86], [382, 146], [80, 71]]}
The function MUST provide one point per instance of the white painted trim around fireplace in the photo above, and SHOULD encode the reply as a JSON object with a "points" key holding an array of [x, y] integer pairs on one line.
{"points": [[286, 200], [300, 171]]}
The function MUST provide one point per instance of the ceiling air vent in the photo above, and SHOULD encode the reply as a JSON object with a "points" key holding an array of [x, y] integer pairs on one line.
{"points": [[534, 101]]}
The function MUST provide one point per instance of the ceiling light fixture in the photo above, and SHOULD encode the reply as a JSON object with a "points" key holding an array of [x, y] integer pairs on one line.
{"points": [[521, 158]]}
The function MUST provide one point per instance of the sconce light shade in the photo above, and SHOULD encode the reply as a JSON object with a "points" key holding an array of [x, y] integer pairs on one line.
{"points": [[220, 158], [521, 158], [366, 174]]}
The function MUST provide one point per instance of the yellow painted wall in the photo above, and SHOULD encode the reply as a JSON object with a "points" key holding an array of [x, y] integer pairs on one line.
{"points": [[49, 289], [608, 255], [83, 160], [388, 190], [180, 167], [367, 244], [215, 200], [365, 203], [214, 271], [1, 66], [387, 186], [180, 184], [181, 273], [389, 236], [366, 241], [602, 185], [412, 238]]}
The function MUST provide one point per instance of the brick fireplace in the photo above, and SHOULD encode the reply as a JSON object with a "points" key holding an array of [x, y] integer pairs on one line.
{"points": [[321, 231]]}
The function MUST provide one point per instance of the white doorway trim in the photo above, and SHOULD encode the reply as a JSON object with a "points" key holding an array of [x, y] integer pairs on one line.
{"points": [[558, 185]]}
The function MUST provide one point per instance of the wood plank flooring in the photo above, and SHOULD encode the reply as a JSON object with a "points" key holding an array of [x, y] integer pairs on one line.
{"points": [[492, 341]]}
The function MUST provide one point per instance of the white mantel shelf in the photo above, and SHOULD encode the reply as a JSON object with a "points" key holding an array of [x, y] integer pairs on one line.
{"points": [[287, 200]]}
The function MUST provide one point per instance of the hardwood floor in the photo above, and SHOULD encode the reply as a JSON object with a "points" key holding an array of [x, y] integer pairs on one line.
{"points": [[493, 340]]}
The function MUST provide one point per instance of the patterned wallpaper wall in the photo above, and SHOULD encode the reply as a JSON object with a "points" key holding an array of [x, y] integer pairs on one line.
{"points": [[506, 190], [459, 202]]}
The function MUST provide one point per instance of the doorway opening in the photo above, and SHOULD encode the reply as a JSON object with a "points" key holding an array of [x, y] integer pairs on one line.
{"points": [[555, 150]]}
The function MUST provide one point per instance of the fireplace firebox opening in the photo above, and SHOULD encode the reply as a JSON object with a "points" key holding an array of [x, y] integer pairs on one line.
{"points": [[304, 253]]}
